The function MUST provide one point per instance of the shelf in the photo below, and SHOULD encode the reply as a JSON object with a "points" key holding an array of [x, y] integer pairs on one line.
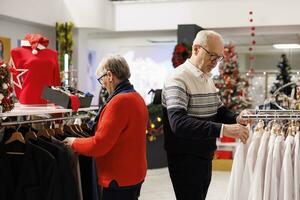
{"points": [[24, 110]]}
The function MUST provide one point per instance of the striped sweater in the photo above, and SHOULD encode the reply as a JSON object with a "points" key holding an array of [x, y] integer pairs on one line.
{"points": [[192, 112]]}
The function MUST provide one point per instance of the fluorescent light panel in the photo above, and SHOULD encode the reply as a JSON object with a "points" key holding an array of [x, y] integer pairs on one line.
{"points": [[286, 46]]}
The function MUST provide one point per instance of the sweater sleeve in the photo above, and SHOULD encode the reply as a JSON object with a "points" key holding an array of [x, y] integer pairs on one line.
{"points": [[225, 116], [185, 126], [110, 126]]}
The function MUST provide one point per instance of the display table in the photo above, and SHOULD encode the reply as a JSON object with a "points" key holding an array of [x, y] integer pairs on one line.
{"points": [[224, 164]]}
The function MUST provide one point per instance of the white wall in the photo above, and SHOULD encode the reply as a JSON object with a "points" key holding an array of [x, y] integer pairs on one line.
{"points": [[156, 15], [45, 12], [91, 13], [208, 14], [17, 29], [85, 14]]}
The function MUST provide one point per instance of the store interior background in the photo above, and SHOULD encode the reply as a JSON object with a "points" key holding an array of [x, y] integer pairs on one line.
{"points": [[145, 32]]}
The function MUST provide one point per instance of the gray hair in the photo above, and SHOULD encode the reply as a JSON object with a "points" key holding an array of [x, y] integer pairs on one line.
{"points": [[203, 36], [116, 64]]}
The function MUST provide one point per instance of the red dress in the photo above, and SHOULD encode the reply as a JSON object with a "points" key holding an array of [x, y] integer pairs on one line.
{"points": [[42, 69]]}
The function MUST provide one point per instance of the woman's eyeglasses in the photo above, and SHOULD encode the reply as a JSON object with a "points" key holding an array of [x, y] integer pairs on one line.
{"points": [[100, 79]]}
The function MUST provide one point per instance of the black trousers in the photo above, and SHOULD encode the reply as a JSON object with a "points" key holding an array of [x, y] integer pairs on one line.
{"points": [[190, 176], [121, 193]]}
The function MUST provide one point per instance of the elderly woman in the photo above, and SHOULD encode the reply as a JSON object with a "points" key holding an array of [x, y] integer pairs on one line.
{"points": [[119, 143]]}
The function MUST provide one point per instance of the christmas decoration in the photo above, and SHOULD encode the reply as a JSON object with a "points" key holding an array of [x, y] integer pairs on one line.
{"points": [[64, 42], [232, 87], [6, 91], [180, 54], [155, 126], [283, 77]]}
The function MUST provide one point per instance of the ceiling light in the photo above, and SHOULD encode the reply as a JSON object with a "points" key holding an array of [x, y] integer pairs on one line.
{"points": [[286, 46]]}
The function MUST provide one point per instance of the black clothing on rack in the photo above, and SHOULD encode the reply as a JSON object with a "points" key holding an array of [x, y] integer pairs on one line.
{"points": [[33, 175]]}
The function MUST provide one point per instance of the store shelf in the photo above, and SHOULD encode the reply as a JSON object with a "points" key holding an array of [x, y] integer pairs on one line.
{"points": [[24, 110]]}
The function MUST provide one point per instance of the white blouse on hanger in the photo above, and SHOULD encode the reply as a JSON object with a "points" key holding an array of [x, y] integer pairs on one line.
{"points": [[268, 172], [257, 185], [276, 167], [286, 191], [238, 165], [250, 165]]}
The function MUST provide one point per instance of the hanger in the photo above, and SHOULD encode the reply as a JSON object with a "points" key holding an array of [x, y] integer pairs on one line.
{"points": [[84, 127], [17, 148], [30, 135], [16, 136], [44, 133]]}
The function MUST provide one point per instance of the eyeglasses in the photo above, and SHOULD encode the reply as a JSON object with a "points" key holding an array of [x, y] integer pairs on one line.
{"points": [[213, 57], [100, 79]]}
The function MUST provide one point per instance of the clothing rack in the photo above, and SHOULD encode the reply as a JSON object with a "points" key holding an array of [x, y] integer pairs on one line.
{"points": [[25, 111], [43, 120], [273, 114]]}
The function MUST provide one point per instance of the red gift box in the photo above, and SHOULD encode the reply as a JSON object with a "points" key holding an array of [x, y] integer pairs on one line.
{"points": [[221, 154], [227, 139]]}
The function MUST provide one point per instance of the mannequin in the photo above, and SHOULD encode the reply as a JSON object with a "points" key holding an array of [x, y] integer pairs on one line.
{"points": [[39, 67]]}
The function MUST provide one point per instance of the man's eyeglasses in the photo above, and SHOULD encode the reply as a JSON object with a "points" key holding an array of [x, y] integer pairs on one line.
{"points": [[100, 79], [213, 57]]}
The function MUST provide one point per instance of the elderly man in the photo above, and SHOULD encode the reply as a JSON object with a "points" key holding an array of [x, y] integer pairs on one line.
{"points": [[194, 117]]}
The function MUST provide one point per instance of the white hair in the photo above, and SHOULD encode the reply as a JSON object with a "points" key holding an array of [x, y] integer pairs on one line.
{"points": [[115, 64], [203, 36]]}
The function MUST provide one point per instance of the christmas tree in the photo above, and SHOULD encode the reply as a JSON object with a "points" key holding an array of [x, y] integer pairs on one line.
{"points": [[283, 77], [232, 87]]}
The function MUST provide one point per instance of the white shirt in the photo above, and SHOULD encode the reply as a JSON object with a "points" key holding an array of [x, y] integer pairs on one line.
{"points": [[250, 165], [297, 167], [286, 187], [276, 167], [268, 172], [257, 185], [238, 166]]}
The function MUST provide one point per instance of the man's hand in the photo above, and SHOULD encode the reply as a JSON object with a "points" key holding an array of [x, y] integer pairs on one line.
{"points": [[69, 141], [236, 131], [244, 121]]}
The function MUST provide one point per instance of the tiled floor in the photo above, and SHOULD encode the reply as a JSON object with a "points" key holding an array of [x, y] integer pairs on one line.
{"points": [[157, 186]]}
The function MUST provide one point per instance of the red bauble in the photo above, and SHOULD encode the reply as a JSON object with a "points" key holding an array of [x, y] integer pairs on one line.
{"points": [[250, 48], [252, 34], [253, 42], [250, 13], [253, 28], [251, 20]]}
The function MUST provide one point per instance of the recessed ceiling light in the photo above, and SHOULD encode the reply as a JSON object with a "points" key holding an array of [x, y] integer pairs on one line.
{"points": [[286, 46]]}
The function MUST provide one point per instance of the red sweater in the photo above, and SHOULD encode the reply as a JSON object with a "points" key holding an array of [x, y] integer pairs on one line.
{"points": [[43, 70], [119, 144]]}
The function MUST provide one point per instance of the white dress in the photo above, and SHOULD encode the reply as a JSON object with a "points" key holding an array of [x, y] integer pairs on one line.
{"points": [[286, 187], [297, 167], [268, 171], [250, 165], [257, 185], [276, 167]]}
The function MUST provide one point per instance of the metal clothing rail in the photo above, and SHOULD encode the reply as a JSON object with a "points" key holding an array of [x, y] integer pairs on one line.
{"points": [[273, 114], [43, 120]]}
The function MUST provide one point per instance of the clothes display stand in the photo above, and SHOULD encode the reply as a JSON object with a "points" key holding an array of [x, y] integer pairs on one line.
{"points": [[35, 164]]}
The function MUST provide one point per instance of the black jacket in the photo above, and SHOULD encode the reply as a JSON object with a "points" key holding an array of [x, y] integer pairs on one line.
{"points": [[32, 176]]}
